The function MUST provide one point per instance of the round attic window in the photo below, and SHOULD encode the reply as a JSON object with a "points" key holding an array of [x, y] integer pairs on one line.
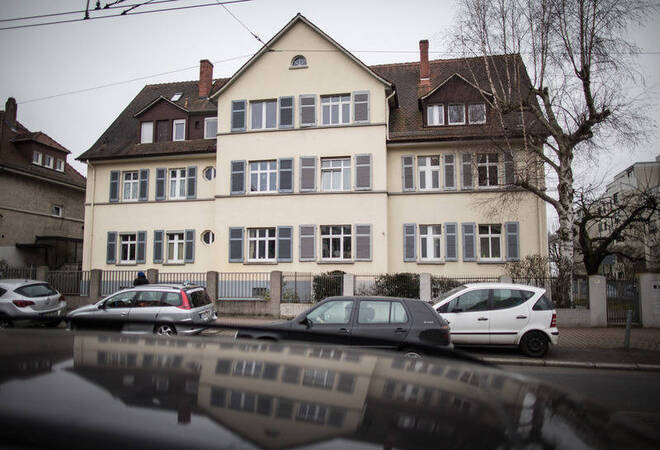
{"points": [[299, 61]]}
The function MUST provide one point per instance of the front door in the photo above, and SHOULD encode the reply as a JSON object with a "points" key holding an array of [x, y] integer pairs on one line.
{"points": [[115, 311], [144, 313], [467, 315], [333, 319]]}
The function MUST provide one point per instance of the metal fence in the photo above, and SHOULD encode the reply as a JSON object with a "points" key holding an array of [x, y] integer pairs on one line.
{"points": [[558, 292], [622, 295], [69, 282], [198, 278], [244, 286], [114, 280], [440, 284], [9, 272], [303, 287]]}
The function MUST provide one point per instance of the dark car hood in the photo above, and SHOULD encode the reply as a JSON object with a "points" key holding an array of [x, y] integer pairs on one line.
{"points": [[106, 391]]}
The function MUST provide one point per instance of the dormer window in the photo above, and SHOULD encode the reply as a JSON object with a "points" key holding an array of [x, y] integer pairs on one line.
{"points": [[60, 165], [36, 158], [456, 114], [48, 161], [298, 61], [477, 113], [176, 97], [179, 130], [435, 115], [146, 132]]}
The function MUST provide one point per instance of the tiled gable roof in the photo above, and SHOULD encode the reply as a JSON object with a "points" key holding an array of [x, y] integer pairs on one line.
{"points": [[41, 138]]}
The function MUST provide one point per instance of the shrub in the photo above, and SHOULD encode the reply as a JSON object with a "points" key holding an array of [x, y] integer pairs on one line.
{"points": [[396, 285], [328, 284], [531, 269], [442, 284]]}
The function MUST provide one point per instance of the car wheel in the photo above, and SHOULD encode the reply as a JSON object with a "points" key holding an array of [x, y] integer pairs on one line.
{"points": [[534, 344], [165, 330], [5, 322], [410, 353]]}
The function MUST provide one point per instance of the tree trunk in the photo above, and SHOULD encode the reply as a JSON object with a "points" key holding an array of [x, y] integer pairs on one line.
{"points": [[566, 225]]}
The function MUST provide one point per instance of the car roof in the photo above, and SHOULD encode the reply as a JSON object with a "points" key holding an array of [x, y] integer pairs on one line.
{"points": [[372, 297], [505, 286], [172, 287], [16, 282]]}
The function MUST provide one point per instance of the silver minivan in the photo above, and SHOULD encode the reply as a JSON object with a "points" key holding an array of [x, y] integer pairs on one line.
{"points": [[28, 302], [164, 309]]}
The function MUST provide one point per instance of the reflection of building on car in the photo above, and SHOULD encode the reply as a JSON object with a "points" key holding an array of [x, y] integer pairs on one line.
{"points": [[500, 314], [161, 309], [30, 302]]}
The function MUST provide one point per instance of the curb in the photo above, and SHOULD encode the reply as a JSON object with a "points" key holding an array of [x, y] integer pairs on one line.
{"points": [[572, 364]]}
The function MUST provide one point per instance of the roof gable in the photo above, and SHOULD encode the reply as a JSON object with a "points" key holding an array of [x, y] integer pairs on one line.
{"points": [[452, 78], [157, 100]]}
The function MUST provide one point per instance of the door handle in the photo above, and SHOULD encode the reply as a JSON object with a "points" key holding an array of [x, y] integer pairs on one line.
{"points": [[343, 330], [482, 318], [400, 330], [521, 317]]}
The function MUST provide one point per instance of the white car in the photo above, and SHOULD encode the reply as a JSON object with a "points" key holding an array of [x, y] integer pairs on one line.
{"points": [[30, 302], [500, 314]]}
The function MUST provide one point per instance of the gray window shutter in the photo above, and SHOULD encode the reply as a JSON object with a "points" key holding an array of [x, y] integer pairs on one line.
{"points": [[512, 241], [450, 181], [114, 185], [286, 112], [285, 175], [141, 247], [237, 177], [238, 108], [362, 242], [191, 188], [307, 173], [408, 173], [361, 107], [158, 246], [143, 192], [409, 242], [111, 251], [161, 175], [363, 172], [307, 110], [307, 251], [235, 244], [451, 241], [469, 242], [189, 246], [509, 176], [466, 171], [284, 244]]}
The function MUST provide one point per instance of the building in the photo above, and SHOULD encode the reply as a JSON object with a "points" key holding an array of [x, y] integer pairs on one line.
{"points": [[308, 161], [42, 198]]}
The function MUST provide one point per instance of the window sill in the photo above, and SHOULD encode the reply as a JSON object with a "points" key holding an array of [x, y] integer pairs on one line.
{"points": [[174, 264], [499, 261], [298, 67], [431, 263], [260, 263], [126, 264], [336, 262]]}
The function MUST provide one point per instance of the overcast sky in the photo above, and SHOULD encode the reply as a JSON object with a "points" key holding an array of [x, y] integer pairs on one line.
{"points": [[57, 59]]}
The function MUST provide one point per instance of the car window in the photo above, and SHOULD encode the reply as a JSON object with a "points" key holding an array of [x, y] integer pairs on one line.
{"points": [[36, 290], [2, 291], [476, 300], [398, 314], [374, 312], [543, 304], [333, 312], [172, 299], [449, 293], [121, 300], [198, 298], [146, 299], [508, 298]]}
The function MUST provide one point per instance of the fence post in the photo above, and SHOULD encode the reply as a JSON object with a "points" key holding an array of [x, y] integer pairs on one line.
{"points": [[275, 293], [95, 277], [152, 276], [649, 299], [42, 273], [425, 287], [349, 285], [598, 300], [212, 285]]}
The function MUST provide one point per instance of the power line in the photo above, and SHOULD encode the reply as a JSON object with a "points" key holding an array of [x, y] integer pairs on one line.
{"points": [[123, 14], [242, 24]]}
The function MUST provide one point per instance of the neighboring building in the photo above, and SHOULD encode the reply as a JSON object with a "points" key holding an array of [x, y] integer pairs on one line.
{"points": [[322, 163], [42, 198]]}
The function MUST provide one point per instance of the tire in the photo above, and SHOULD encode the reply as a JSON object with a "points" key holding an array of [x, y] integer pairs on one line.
{"points": [[534, 344], [5, 322], [411, 353], [165, 329]]}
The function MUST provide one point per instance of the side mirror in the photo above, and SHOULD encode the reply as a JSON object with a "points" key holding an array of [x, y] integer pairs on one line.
{"points": [[457, 310], [101, 305], [306, 322]]}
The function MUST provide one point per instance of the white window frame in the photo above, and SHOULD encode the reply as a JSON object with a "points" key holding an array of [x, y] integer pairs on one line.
{"points": [[263, 104], [428, 171], [208, 120], [57, 211], [487, 165], [128, 240], [330, 101], [178, 241], [254, 238], [343, 236], [483, 106], [37, 158], [449, 121], [336, 165], [59, 165], [48, 161], [427, 239], [489, 237], [174, 125], [270, 171], [146, 138], [179, 183], [176, 97], [209, 173], [207, 235], [435, 115], [298, 62], [133, 185]]}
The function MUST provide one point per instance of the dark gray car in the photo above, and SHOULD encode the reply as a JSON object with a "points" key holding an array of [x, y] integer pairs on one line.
{"points": [[398, 323], [164, 309]]}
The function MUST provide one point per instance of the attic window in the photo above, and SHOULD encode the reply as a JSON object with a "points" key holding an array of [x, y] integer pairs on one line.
{"points": [[176, 97], [298, 61]]}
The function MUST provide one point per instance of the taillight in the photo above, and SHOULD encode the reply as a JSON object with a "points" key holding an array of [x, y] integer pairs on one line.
{"points": [[185, 303], [62, 298], [22, 303], [553, 322]]}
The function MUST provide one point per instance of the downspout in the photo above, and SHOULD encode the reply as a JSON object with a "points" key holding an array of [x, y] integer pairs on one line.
{"points": [[387, 113]]}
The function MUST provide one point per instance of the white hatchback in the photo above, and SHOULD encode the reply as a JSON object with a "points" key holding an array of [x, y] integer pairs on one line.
{"points": [[500, 314]]}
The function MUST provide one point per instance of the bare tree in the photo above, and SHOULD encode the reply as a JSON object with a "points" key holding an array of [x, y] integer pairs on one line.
{"points": [[556, 71]]}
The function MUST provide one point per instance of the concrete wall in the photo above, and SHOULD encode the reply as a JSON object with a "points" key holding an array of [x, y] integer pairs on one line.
{"points": [[573, 318], [289, 310], [649, 295]]}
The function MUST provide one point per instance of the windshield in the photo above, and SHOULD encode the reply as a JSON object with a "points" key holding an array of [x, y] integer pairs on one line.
{"points": [[449, 293], [36, 290]]}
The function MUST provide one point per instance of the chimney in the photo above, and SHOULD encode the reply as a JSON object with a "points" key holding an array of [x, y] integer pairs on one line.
{"points": [[424, 85], [205, 77], [10, 112]]}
